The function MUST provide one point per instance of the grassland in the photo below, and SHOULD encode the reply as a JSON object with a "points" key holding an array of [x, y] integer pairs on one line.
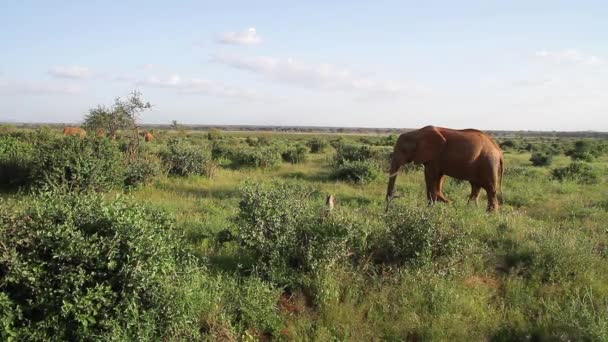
{"points": [[536, 270]]}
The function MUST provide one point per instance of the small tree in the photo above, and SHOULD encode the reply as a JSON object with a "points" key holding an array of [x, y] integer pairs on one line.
{"points": [[174, 125]]}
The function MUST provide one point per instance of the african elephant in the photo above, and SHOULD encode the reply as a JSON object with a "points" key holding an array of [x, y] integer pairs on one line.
{"points": [[466, 154], [75, 131]]}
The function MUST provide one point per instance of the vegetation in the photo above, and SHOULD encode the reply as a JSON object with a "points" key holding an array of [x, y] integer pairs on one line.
{"points": [[253, 253]]}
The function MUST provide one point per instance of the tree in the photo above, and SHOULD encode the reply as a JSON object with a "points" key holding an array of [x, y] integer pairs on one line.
{"points": [[174, 125], [122, 115]]}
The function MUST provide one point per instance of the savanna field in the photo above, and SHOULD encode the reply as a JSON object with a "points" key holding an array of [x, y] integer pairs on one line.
{"points": [[226, 236]]}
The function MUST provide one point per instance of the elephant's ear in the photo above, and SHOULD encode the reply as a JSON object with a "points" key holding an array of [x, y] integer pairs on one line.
{"points": [[429, 144]]}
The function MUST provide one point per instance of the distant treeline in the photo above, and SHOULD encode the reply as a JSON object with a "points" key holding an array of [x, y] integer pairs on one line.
{"points": [[346, 130]]}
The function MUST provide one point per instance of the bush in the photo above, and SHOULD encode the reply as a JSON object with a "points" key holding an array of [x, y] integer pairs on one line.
{"points": [[279, 227], [16, 159], [143, 170], [583, 151], [78, 164], [347, 152], [356, 171], [77, 268], [264, 157], [417, 235], [184, 159], [317, 145], [577, 171], [295, 154], [541, 159]]}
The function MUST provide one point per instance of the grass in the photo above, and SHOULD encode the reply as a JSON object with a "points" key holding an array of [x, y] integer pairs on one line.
{"points": [[537, 270]]}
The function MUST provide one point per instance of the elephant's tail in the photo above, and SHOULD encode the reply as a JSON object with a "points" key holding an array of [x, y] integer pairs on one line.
{"points": [[500, 173]]}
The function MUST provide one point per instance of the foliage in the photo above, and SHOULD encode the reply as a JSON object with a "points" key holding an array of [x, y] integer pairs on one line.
{"points": [[78, 164], [74, 268], [351, 153], [214, 134], [295, 154], [541, 159], [362, 172], [16, 159], [183, 159], [277, 225], [583, 150], [143, 170], [317, 145], [263, 157], [577, 171]]}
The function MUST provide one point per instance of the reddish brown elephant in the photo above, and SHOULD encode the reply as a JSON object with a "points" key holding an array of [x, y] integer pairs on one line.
{"points": [[148, 137], [466, 154], [75, 131]]}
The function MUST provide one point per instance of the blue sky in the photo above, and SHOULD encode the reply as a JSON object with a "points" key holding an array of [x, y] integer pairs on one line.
{"points": [[539, 65]]}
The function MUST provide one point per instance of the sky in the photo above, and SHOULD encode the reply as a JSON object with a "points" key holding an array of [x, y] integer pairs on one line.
{"points": [[501, 65]]}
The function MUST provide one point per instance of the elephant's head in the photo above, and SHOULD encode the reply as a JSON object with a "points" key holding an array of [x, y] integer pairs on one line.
{"points": [[419, 146]]}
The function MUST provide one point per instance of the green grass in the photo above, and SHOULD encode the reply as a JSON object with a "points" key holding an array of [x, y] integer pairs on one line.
{"points": [[537, 270]]}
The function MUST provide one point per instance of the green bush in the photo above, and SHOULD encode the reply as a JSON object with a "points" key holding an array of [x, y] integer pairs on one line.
{"points": [[317, 145], [263, 157], [295, 154], [184, 159], [278, 226], [417, 235], [77, 268], [584, 150], [577, 171], [541, 159], [349, 152], [16, 159], [362, 172], [143, 170], [78, 164]]}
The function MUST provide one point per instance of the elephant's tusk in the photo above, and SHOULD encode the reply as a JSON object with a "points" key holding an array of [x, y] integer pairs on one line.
{"points": [[393, 174]]}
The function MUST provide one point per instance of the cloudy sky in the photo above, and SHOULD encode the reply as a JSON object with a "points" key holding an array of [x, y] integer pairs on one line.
{"points": [[489, 64]]}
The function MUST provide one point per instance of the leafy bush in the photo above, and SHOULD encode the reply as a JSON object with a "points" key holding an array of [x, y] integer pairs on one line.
{"points": [[417, 235], [279, 228], [76, 268], [348, 152], [583, 150], [78, 164], [264, 157], [214, 134], [184, 159], [363, 171], [541, 159], [143, 170], [317, 145], [577, 171], [16, 159], [295, 154]]}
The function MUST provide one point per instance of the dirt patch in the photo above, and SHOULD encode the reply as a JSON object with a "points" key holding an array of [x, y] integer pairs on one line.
{"points": [[482, 281]]}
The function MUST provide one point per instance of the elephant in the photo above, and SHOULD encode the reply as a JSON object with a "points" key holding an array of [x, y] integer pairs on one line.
{"points": [[467, 154], [75, 131]]}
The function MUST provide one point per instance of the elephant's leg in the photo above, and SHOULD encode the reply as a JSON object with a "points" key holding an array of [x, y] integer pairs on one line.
{"points": [[431, 179], [492, 199], [440, 196], [474, 196]]}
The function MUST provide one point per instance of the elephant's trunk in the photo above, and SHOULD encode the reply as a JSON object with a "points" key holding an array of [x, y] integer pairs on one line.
{"points": [[390, 190], [394, 170]]}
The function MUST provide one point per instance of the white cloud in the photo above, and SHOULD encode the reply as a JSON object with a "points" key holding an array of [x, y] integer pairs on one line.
{"points": [[38, 88], [198, 86], [570, 56], [322, 76], [246, 37], [71, 71]]}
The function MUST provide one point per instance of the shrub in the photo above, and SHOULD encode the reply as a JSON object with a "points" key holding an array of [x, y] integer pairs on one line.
{"points": [[583, 151], [78, 164], [348, 152], [279, 228], [143, 170], [363, 171], [77, 268], [184, 159], [541, 159], [295, 154], [264, 157], [577, 171], [16, 159], [417, 235], [317, 145]]}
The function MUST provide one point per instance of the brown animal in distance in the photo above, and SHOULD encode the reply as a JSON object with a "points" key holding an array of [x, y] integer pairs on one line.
{"points": [[466, 154], [148, 137], [75, 131]]}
